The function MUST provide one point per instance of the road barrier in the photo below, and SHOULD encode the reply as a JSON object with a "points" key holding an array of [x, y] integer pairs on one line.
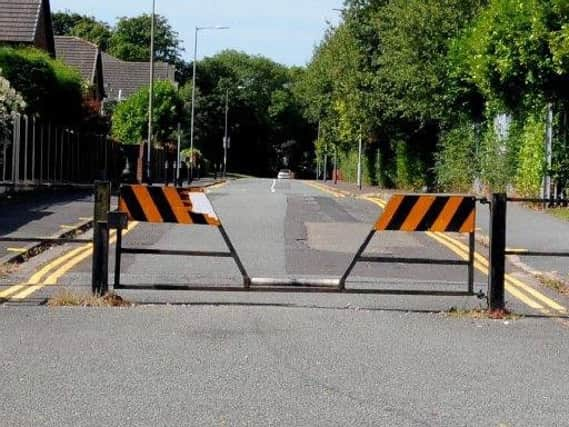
{"points": [[498, 251], [422, 213], [189, 206]]}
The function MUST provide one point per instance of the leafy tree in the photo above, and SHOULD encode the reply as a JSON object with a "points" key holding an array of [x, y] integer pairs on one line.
{"points": [[131, 40], [63, 22], [82, 26], [265, 121], [130, 118]]}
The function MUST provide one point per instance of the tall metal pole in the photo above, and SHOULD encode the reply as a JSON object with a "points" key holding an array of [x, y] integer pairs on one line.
{"points": [[317, 156], [335, 165], [178, 154], [193, 105], [360, 160], [548, 151], [150, 96], [226, 135]]}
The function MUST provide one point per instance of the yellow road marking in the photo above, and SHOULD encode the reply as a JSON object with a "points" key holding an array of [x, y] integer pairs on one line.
{"points": [[325, 190], [517, 251], [512, 280], [217, 186], [513, 286], [69, 260], [36, 277], [480, 266], [68, 227], [84, 218], [17, 250]]}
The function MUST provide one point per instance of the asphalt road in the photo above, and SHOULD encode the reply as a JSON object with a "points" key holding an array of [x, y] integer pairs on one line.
{"points": [[295, 231], [207, 358]]}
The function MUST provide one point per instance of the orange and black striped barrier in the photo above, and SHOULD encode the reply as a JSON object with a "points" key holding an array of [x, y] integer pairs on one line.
{"points": [[424, 213], [437, 213], [170, 205], [167, 205]]}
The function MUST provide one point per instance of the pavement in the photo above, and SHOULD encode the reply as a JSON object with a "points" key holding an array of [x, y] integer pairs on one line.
{"points": [[48, 213], [41, 214], [234, 358]]}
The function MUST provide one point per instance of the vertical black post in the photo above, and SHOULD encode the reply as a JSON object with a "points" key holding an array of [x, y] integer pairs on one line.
{"points": [[118, 254], [472, 249], [497, 251], [100, 271]]}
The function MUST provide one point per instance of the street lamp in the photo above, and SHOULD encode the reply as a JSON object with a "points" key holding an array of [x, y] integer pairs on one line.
{"points": [[194, 93], [150, 95], [226, 133]]}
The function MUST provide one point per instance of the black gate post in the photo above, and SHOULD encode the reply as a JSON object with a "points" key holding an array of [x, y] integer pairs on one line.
{"points": [[497, 252], [100, 273]]}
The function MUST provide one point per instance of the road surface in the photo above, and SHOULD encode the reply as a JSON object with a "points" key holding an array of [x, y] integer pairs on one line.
{"points": [[208, 358]]}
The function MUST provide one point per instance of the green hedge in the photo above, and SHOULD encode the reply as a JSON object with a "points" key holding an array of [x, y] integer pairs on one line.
{"points": [[51, 89]]}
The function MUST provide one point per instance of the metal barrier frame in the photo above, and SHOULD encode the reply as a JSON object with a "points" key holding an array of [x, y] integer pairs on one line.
{"points": [[359, 257], [551, 202], [121, 223]]}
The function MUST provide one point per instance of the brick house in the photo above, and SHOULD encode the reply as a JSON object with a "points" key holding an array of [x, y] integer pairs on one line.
{"points": [[124, 78], [27, 22], [85, 57]]}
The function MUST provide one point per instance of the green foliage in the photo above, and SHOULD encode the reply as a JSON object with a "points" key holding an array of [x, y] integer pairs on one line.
{"points": [[50, 88], [82, 26], [457, 159], [11, 102], [130, 40], [531, 163], [508, 50], [130, 118], [265, 123], [63, 22]]}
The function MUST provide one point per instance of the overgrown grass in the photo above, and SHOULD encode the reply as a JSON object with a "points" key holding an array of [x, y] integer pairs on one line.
{"points": [[561, 213], [479, 313], [555, 284], [66, 298]]}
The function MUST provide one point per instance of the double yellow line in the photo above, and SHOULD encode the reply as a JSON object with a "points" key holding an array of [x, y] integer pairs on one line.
{"points": [[514, 287], [325, 189], [53, 271]]}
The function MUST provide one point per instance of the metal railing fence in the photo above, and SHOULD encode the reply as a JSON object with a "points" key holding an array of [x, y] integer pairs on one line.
{"points": [[36, 152]]}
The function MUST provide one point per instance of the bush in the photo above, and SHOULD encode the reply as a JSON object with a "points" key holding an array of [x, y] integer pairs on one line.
{"points": [[50, 88], [11, 102], [456, 160], [531, 163]]}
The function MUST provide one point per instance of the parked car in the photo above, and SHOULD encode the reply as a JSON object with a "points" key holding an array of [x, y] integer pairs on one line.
{"points": [[285, 174]]}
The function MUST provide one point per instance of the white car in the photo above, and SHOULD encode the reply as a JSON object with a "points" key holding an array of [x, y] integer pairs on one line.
{"points": [[284, 174]]}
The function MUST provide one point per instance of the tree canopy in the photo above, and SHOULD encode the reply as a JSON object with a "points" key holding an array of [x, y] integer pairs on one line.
{"points": [[130, 118]]}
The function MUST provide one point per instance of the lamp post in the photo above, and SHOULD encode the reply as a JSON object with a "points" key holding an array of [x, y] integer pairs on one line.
{"points": [[226, 133], [360, 160], [150, 96], [198, 29]]}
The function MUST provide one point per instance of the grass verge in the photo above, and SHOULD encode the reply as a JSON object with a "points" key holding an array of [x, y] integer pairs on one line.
{"points": [[561, 213], [66, 298], [480, 313]]}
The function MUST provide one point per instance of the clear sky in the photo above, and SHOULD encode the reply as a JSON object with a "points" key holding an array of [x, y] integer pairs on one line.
{"points": [[283, 30]]}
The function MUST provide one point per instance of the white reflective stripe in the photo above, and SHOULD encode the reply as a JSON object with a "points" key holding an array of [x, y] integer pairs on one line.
{"points": [[202, 205]]}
